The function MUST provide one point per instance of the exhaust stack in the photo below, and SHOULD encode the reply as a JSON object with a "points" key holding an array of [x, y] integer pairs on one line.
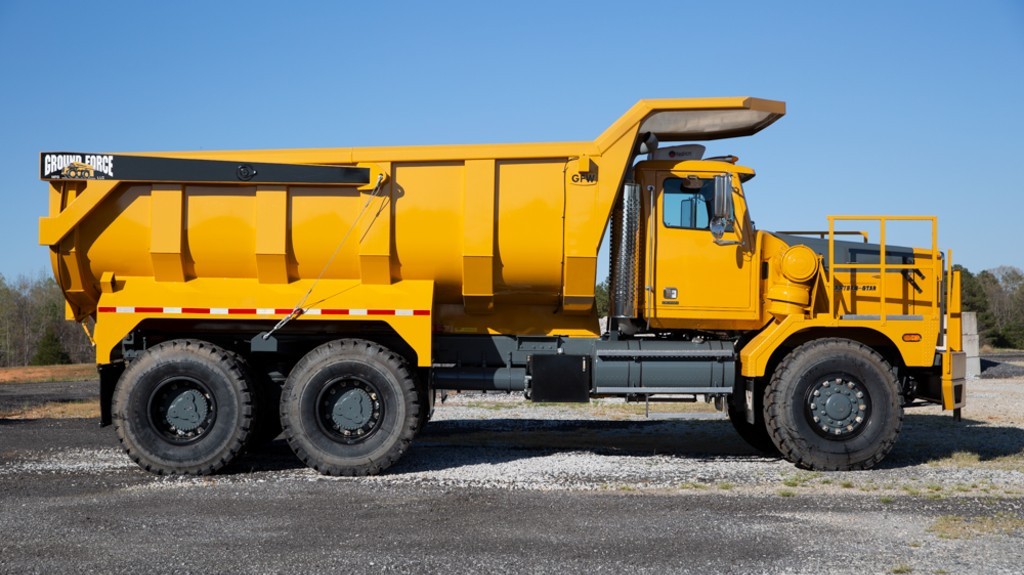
{"points": [[625, 251]]}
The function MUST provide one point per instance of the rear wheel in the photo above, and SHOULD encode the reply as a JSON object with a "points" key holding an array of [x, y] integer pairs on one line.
{"points": [[834, 404], [350, 407], [183, 407]]}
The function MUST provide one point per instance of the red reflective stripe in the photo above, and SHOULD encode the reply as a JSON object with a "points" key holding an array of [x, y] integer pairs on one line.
{"points": [[253, 311]]}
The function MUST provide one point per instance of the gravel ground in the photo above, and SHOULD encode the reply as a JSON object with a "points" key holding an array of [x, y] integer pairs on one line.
{"points": [[991, 369], [501, 485]]}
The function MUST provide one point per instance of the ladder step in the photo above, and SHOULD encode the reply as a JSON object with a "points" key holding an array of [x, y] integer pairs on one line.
{"points": [[668, 353], [664, 390]]}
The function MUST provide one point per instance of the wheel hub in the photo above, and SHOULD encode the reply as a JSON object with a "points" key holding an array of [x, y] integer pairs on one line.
{"points": [[838, 407], [353, 409], [182, 410], [187, 410], [349, 410]]}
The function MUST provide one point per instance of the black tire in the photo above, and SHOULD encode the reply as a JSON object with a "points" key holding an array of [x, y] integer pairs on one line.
{"points": [[756, 434], [183, 407], [267, 410], [350, 407], [834, 405], [426, 407]]}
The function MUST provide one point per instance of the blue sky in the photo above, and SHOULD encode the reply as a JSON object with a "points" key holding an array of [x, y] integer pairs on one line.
{"points": [[893, 107]]}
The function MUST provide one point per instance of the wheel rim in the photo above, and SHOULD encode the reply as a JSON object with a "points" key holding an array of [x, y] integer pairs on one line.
{"points": [[349, 410], [182, 409], [838, 407]]}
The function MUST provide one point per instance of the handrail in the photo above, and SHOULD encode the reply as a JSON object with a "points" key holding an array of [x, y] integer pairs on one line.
{"points": [[883, 266]]}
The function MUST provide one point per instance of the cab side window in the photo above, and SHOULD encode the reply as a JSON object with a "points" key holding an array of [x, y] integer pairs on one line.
{"points": [[687, 203]]}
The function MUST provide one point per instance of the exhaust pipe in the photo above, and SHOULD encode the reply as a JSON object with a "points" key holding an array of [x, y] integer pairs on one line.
{"points": [[625, 253]]}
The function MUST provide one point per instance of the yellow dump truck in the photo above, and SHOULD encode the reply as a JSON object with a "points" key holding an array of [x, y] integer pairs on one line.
{"points": [[331, 292]]}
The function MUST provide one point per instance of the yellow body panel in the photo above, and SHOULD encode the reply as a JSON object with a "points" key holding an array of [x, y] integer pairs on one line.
{"points": [[405, 306]]}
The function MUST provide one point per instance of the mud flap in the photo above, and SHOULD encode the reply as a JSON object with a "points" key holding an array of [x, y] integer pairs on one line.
{"points": [[954, 380], [109, 374]]}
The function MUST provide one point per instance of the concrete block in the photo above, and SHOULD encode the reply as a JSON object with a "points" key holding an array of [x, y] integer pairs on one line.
{"points": [[972, 344], [969, 321], [972, 368]]}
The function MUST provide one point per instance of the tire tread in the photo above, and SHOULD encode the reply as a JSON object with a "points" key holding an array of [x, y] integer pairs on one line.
{"points": [[790, 443]]}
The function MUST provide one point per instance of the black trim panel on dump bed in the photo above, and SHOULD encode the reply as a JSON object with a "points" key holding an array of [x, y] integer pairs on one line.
{"points": [[83, 166]]}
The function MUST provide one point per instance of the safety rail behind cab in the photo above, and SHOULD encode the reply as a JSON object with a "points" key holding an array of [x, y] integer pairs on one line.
{"points": [[932, 293]]}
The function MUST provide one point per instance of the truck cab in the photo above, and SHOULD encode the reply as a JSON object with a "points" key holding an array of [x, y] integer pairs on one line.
{"points": [[698, 281]]}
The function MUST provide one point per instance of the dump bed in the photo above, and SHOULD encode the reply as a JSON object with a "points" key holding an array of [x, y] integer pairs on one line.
{"points": [[484, 238]]}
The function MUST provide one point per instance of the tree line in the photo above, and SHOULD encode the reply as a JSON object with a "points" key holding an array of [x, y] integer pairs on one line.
{"points": [[997, 296], [33, 330]]}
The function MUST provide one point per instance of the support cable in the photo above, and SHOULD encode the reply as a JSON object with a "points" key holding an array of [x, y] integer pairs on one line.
{"points": [[298, 310]]}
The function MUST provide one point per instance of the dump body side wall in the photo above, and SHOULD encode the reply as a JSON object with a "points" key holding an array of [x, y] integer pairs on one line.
{"points": [[213, 231], [498, 240]]}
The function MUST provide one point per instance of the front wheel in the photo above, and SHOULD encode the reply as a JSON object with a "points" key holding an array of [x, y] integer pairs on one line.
{"points": [[350, 407], [834, 405]]}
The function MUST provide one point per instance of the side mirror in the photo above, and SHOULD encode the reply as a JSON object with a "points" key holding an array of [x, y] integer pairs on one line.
{"points": [[721, 217]]}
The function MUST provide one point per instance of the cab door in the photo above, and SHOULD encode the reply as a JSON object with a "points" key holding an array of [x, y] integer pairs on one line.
{"points": [[698, 283]]}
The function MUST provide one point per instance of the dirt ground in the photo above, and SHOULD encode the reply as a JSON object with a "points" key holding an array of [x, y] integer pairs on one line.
{"points": [[42, 373]]}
